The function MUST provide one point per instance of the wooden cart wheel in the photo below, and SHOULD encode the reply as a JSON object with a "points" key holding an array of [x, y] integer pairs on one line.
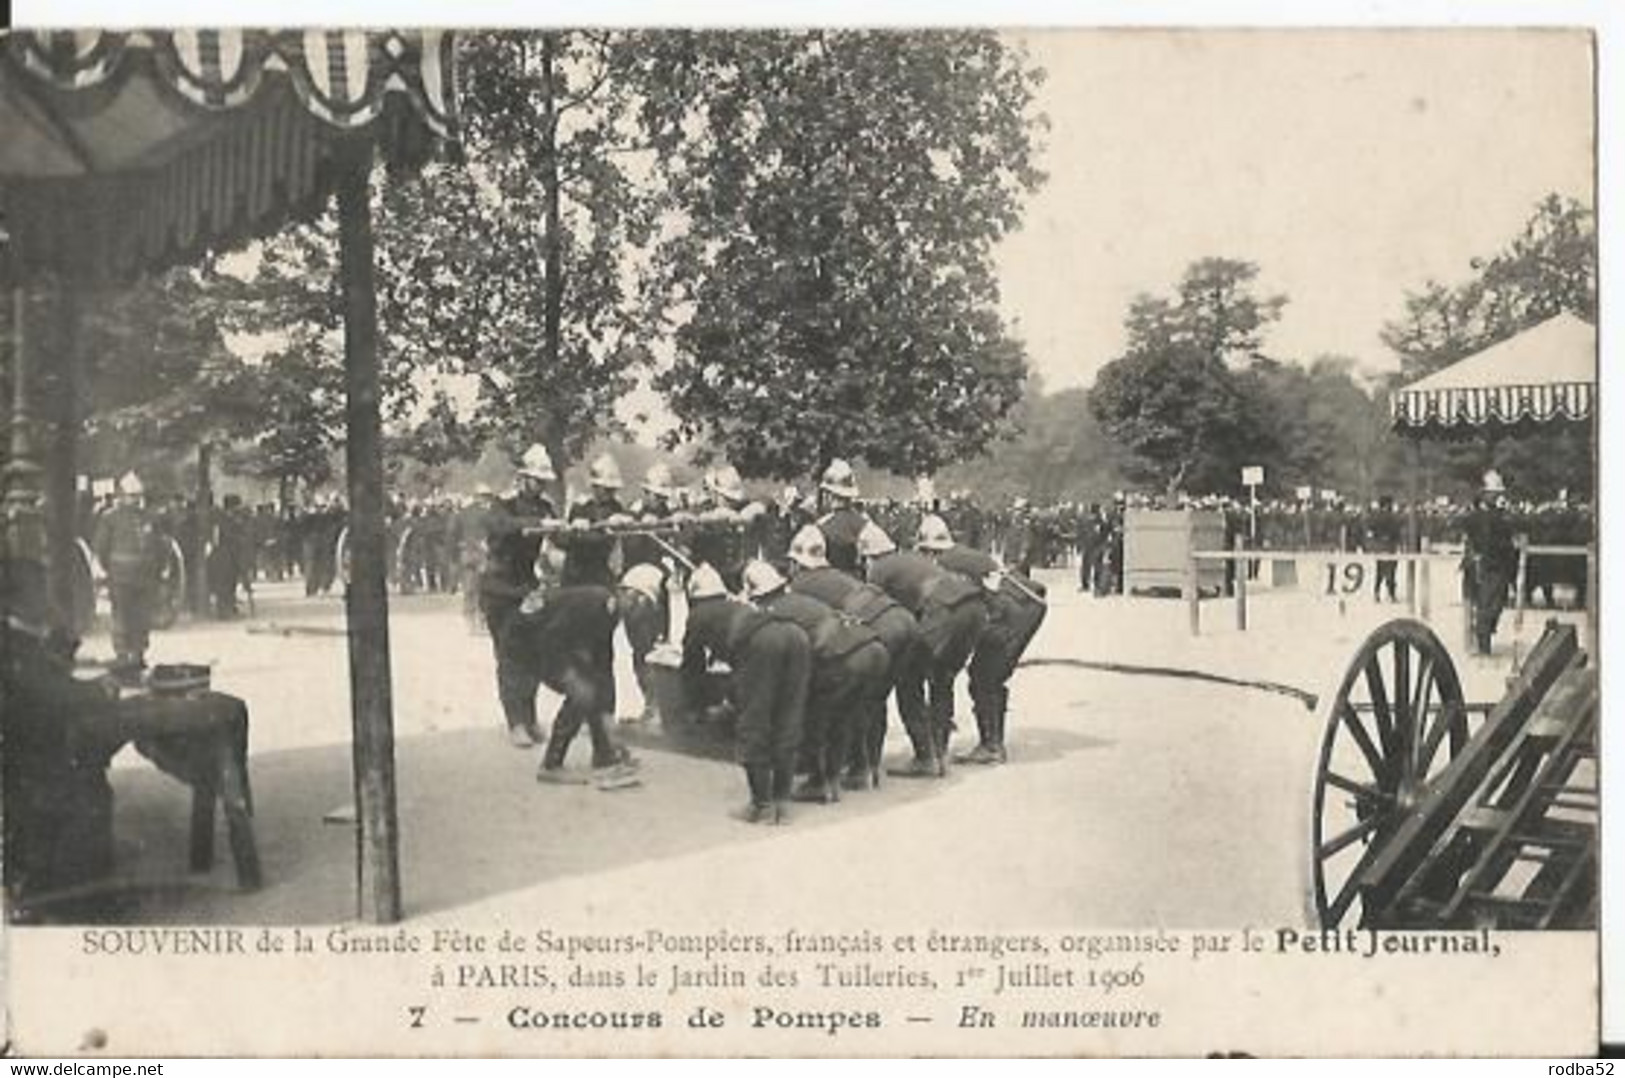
{"points": [[1397, 719]]}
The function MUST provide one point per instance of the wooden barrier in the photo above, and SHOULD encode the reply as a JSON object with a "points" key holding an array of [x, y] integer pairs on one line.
{"points": [[1526, 550], [1418, 564]]}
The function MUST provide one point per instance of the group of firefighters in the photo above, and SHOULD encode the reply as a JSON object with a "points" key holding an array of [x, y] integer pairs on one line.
{"points": [[810, 604], [816, 639]]}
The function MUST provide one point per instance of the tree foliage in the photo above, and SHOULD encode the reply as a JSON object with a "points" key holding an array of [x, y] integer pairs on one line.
{"points": [[508, 265], [1188, 421], [1548, 268], [837, 196]]}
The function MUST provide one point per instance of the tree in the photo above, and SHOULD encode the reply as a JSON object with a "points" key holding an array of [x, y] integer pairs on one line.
{"points": [[1054, 449], [523, 273], [511, 264], [837, 196], [1549, 267], [1213, 310], [302, 395], [1172, 400]]}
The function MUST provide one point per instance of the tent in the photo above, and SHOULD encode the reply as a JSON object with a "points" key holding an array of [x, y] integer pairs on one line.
{"points": [[124, 153], [1546, 374]]}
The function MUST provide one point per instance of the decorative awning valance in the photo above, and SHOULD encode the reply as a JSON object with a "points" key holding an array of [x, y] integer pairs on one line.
{"points": [[129, 151], [1546, 374]]}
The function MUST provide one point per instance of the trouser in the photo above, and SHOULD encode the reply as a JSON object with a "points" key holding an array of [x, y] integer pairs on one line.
{"points": [[771, 685], [1010, 629], [567, 645], [585, 677], [908, 662], [1088, 566], [1387, 576], [470, 584], [950, 634], [516, 678], [841, 707], [133, 602], [647, 622], [1489, 599]]}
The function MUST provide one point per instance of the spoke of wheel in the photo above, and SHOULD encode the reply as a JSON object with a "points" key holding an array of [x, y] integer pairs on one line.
{"points": [[1359, 789], [1449, 715], [1378, 691], [1419, 711], [1350, 889], [1354, 834], [1362, 738], [1405, 733]]}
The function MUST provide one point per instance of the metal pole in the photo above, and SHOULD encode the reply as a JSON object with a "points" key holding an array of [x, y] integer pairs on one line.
{"points": [[62, 452], [378, 884], [24, 531]]}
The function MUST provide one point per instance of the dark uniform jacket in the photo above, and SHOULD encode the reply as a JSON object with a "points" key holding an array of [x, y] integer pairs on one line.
{"points": [[587, 557], [832, 636], [127, 544], [976, 566], [914, 580], [841, 530], [1489, 540], [1383, 532], [641, 549], [721, 628], [726, 547], [827, 584], [510, 554]]}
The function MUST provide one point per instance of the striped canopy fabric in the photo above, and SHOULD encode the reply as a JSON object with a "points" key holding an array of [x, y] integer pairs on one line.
{"points": [[1546, 374], [122, 152]]}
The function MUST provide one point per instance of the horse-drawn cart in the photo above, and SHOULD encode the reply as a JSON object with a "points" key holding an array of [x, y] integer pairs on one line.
{"points": [[1432, 812]]}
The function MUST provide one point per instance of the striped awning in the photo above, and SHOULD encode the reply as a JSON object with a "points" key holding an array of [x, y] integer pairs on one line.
{"points": [[132, 150], [1546, 374]]}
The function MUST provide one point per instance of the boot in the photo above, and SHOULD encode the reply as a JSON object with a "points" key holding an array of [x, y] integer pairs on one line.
{"points": [[759, 809], [784, 778], [927, 763], [921, 767], [556, 774], [858, 777], [817, 790]]}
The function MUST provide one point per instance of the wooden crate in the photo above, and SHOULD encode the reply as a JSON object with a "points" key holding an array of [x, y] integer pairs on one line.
{"points": [[1157, 544]]}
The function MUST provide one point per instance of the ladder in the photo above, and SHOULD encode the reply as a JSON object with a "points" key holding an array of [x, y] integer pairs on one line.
{"points": [[1522, 852]]}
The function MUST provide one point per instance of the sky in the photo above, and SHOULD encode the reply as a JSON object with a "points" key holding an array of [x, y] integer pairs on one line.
{"points": [[1349, 166]]}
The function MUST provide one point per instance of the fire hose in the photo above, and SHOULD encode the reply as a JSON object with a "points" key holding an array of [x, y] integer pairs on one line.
{"points": [[1308, 699]]}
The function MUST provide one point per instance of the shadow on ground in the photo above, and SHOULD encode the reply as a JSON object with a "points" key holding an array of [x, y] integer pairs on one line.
{"points": [[474, 825]]}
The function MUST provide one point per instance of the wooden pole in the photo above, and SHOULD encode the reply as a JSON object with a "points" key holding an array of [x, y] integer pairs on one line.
{"points": [[1193, 593], [1424, 589], [1593, 603], [202, 526], [1518, 586], [378, 884]]}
